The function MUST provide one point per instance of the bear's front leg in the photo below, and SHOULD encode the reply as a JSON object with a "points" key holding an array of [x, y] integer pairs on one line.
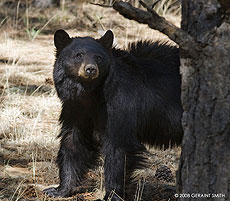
{"points": [[78, 152]]}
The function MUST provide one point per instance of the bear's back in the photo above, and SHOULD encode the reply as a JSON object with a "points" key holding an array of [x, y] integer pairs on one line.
{"points": [[159, 57], [147, 74]]}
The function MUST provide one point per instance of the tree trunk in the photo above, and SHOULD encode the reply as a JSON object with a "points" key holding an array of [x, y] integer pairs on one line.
{"points": [[204, 169]]}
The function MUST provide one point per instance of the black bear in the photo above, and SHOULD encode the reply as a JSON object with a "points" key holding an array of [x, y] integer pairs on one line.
{"points": [[113, 102]]}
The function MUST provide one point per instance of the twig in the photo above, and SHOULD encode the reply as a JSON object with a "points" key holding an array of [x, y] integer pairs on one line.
{"points": [[102, 5], [154, 21], [155, 3]]}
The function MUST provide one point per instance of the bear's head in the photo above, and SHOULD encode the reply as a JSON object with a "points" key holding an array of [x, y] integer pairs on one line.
{"points": [[85, 57], [81, 61]]}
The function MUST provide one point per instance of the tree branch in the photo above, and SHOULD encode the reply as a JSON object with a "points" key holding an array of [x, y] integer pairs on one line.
{"points": [[154, 21]]}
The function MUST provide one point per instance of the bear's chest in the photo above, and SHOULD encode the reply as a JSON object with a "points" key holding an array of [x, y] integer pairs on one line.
{"points": [[94, 109]]}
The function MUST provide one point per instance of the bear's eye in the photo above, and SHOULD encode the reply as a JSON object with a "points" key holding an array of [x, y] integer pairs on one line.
{"points": [[99, 58], [79, 55]]}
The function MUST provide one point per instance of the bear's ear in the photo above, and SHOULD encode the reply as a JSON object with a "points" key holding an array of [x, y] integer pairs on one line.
{"points": [[107, 40], [61, 40]]}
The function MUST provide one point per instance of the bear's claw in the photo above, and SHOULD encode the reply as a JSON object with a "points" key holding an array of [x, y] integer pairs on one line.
{"points": [[52, 192]]}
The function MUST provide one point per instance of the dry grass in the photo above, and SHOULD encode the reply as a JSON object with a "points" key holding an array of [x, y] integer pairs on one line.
{"points": [[29, 107]]}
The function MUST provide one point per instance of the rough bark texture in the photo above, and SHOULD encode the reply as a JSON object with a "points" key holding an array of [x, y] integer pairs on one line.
{"points": [[205, 161]]}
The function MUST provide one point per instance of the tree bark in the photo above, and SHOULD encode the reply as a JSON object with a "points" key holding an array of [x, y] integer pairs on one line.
{"points": [[204, 170], [205, 160]]}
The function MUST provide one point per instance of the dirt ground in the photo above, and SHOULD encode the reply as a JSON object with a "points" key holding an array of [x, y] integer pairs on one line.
{"points": [[29, 107]]}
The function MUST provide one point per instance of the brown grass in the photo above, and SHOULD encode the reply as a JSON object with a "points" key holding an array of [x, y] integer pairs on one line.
{"points": [[29, 107]]}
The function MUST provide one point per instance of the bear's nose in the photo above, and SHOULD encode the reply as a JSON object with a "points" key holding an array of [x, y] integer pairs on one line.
{"points": [[90, 69]]}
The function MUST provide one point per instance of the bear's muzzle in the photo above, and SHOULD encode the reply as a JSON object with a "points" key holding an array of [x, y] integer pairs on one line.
{"points": [[89, 71]]}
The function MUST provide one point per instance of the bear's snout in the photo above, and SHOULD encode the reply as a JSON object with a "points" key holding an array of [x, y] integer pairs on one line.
{"points": [[91, 69], [88, 71]]}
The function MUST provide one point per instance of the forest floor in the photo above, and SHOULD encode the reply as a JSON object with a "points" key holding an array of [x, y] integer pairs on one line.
{"points": [[29, 107]]}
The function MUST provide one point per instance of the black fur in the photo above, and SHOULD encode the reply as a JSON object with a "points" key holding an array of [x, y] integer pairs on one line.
{"points": [[134, 101]]}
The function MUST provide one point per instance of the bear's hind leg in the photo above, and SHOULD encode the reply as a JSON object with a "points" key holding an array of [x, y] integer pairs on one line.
{"points": [[120, 162]]}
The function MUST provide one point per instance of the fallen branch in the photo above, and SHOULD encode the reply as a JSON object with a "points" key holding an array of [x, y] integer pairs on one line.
{"points": [[154, 21]]}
